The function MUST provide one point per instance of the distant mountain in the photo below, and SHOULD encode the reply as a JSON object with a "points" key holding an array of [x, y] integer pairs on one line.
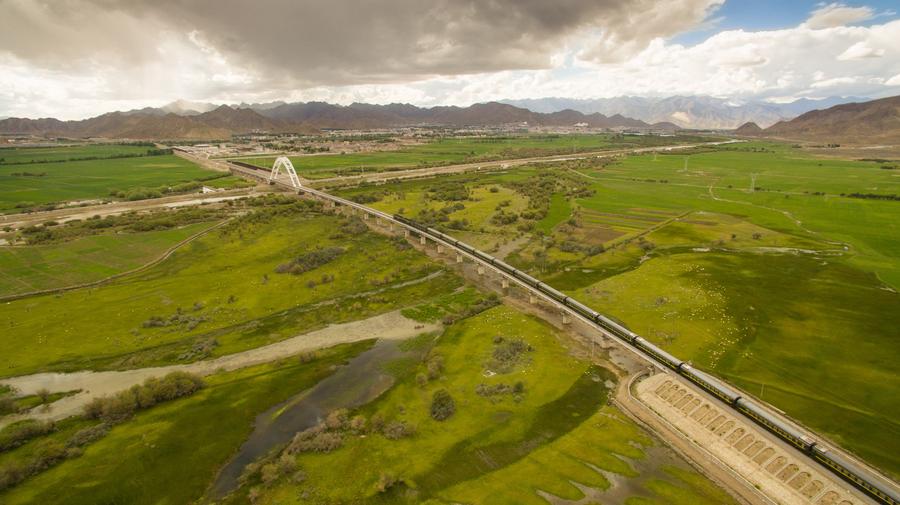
{"points": [[223, 121], [866, 122], [701, 112], [219, 123]]}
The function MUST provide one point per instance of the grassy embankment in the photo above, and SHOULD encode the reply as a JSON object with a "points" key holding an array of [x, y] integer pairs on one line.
{"points": [[219, 295]]}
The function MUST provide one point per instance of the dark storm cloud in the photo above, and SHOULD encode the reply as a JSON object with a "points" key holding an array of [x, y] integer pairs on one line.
{"points": [[342, 41]]}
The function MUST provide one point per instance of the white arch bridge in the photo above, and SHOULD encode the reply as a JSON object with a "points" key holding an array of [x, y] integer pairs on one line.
{"points": [[285, 162]]}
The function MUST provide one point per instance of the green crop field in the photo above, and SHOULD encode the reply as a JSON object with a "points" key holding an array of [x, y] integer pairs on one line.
{"points": [[504, 447], [35, 184], [788, 290], [34, 268], [29, 155], [463, 150]]}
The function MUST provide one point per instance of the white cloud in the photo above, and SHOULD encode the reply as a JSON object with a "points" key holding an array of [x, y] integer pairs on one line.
{"points": [[860, 51], [893, 81], [838, 14]]}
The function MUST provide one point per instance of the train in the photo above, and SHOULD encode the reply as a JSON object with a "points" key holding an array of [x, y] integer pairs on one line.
{"points": [[837, 463]]}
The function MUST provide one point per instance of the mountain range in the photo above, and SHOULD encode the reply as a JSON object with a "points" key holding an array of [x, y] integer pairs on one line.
{"points": [[875, 121], [700, 112], [195, 120]]}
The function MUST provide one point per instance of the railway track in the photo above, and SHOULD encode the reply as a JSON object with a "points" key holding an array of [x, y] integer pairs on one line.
{"points": [[874, 485]]}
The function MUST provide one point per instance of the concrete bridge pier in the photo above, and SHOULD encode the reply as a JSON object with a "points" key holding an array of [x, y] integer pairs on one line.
{"points": [[422, 239], [440, 249], [405, 233], [504, 283], [531, 298], [480, 269], [365, 216], [565, 318], [459, 258]]}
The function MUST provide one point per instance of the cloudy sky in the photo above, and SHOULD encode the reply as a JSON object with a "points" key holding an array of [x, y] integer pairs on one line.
{"points": [[78, 58]]}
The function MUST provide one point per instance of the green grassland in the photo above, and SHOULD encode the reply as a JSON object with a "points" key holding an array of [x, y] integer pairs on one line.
{"points": [[463, 150], [789, 291], [221, 289], [92, 179], [181, 444], [28, 155], [39, 267], [494, 450]]}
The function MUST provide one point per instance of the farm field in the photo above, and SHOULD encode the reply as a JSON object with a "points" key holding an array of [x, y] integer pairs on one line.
{"points": [[39, 267], [789, 291], [34, 185], [28, 155], [463, 150]]}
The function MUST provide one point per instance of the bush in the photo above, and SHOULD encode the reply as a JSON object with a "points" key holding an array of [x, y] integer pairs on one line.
{"points": [[310, 261], [16, 434], [121, 406], [315, 439], [442, 405], [87, 435], [337, 420], [385, 482], [395, 430], [507, 354]]}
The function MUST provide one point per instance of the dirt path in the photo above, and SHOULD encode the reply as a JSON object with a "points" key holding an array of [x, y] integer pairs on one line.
{"points": [[390, 326]]}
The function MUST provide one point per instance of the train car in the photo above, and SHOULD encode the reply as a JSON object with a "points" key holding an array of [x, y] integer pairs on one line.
{"points": [[709, 383], [796, 437], [616, 328], [853, 473], [582, 309], [556, 295], [666, 358]]}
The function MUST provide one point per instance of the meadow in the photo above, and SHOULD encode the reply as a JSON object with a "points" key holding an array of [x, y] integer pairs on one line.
{"points": [[38, 267], [498, 447], [449, 151], [789, 290], [182, 443], [35, 185], [220, 293]]}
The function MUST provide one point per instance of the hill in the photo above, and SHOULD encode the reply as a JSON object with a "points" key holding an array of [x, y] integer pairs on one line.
{"points": [[224, 121], [852, 123], [749, 128]]}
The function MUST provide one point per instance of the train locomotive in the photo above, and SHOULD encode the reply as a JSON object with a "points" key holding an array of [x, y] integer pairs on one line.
{"points": [[803, 441]]}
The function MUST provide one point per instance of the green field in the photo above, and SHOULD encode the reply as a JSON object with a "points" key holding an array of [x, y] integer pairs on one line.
{"points": [[182, 443], [496, 450], [27, 155], [789, 291], [463, 150], [27, 186], [39, 267], [222, 287]]}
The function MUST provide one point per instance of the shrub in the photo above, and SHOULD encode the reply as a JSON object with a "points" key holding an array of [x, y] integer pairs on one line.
{"points": [[358, 424], [310, 261], [315, 439], [87, 435], [385, 482], [442, 405], [396, 430], [337, 420], [18, 433], [121, 406]]}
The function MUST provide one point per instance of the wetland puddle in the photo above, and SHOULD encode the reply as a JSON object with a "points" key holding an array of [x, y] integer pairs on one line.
{"points": [[360, 381]]}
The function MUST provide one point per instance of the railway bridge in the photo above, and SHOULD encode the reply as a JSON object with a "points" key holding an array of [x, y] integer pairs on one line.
{"points": [[794, 437]]}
